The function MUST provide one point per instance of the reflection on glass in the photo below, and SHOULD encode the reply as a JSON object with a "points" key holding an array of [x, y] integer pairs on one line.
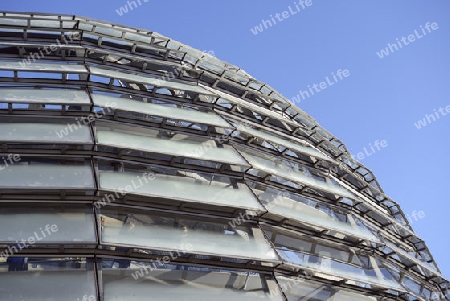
{"points": [[367, 274], [295, 146], [34, 223], [152, 109], [47, 279], [174, 282], [291, 171], [186, 235], [188, 187], [301, 289], [207, 150], [308, 211]]}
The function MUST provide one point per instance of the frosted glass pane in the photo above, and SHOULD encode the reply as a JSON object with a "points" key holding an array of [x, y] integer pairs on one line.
{"points": [[33, 66], [345, 296], [13, 22], [301, 212], [44, 132], [305, 290], [44, 96], [149, 80], [184, 285], [158, 110], [283, 171], [342, 270], [202, 151], [250, 106], [47, 285], [272, 138], [356, 274], [72, 225], [203, 242], [45, 23], [46, 176], [182, 189]]}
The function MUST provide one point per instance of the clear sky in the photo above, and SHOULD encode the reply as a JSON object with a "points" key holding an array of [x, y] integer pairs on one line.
{"points": [[380, 99]]}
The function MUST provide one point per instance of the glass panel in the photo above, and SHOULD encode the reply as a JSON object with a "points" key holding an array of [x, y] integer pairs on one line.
{"points": [[45, 23], [32, 66], [205, 151], [272, 138], [108, 31], [328, 251], [44, 133], [340, 269], [304, 119], [158, 110], [208, 66], [138, 37], [153, 231], [276, 167], [69, 24], [46, 176], [187, 189], [84, 26], [249, 105], [46, 224], [13, 22], [236, 77], [403, 253], [287, 206], [186, 284], [288, 242], [149, 81], [412, 285], [21, 15], [301, 212], [255, 84], [43, 279], [44, 96], [298, 289]]}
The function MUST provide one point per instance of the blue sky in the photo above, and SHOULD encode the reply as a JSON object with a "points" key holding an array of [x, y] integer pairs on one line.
{"points": [[380, 99]]}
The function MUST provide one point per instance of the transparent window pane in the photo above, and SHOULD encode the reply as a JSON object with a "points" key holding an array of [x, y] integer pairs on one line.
{"points": [[180, 188], [286, 143], [276, 167], [149, 81], [158, 110], [299, 289], [248, 105], [205, 151], [186, 284], [181, 233], [289, 205]]}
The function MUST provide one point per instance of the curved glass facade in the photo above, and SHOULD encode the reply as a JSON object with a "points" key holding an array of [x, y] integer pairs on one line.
{"points": [[134, 166]]}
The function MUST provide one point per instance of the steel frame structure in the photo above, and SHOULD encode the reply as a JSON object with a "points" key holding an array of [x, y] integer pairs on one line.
{"points": [[273, 204]]}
